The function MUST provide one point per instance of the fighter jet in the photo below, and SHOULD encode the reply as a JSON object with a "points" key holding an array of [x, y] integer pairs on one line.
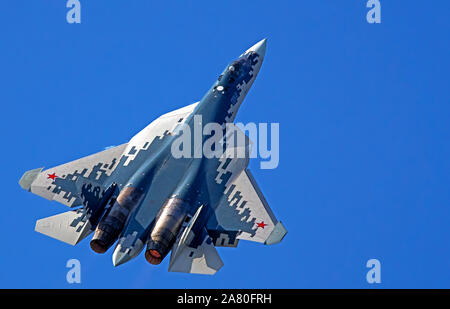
{"points": [[140, 195]]}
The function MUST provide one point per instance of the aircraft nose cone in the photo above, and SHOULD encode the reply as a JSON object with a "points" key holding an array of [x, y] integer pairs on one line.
{"points": [[259, 48]]}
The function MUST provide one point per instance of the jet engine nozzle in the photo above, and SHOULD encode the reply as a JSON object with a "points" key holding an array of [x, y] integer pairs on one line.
{"points": [[111, 225], [167, 226], [105, 235]]}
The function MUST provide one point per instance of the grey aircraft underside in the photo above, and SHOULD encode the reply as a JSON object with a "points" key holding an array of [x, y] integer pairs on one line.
{"points": [[140, 195]]}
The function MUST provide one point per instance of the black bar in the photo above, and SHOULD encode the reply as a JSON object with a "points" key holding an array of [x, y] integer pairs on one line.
{"points": [[215, 297]]}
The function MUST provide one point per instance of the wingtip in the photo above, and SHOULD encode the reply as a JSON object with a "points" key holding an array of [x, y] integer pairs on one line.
{"points": [[28, 178], [277, 234]]}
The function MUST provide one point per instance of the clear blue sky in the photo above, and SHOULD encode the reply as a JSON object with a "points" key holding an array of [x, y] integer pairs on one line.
{"points": [[364, 130]]}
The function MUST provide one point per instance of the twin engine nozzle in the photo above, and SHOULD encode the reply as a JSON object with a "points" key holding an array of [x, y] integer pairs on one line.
{"points": [[163, 235], [167, 226], [111, 225]]}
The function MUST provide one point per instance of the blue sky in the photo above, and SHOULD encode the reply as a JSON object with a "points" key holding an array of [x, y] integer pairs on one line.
{"points": [[364, 131]]}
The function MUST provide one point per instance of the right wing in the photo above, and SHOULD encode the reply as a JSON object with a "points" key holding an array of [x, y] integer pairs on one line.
{"points": [[114, 164], [89, 181], [60, 183]]}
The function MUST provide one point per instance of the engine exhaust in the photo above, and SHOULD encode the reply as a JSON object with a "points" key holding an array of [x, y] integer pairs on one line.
{"points": [[164, 233]]}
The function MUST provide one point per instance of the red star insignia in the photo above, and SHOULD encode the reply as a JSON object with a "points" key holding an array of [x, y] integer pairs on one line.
{"points": [[52, 176], [261, 224]]}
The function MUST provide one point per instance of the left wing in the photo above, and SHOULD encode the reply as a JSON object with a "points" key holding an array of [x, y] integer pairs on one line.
{"points": [[243, 213], [240, 209]]}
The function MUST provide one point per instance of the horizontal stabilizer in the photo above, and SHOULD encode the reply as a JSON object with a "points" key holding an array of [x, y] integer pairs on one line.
{"points": [[70, 227], [202, 259]]}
